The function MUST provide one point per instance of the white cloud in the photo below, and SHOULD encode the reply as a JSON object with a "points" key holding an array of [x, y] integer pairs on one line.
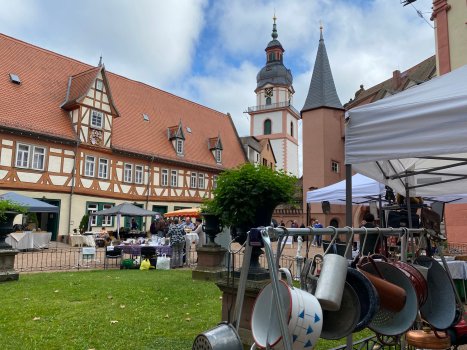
{"points": [[211, 51]]}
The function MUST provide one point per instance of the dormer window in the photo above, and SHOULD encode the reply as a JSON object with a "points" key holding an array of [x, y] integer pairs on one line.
{"points": [[99, 85], [97, 119], [176, 136], [215, 146], [179, 148], [218, 156]]}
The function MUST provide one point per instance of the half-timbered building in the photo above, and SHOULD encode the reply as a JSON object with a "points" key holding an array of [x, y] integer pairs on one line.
{"points": [[86, 139]]}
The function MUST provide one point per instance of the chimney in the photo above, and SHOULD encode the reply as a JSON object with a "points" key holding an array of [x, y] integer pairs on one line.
{"points": [[396, 79]]}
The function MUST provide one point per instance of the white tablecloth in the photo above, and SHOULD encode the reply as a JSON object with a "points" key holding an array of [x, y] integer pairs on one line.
{"points": [[80, 240], [458, 269], [29, 240]]}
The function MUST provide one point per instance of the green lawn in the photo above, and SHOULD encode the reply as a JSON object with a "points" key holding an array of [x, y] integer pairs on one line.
{"points": [[109, 309]]}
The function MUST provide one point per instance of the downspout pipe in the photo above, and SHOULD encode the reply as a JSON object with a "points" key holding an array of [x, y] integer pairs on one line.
{"points": [[73, 178]]}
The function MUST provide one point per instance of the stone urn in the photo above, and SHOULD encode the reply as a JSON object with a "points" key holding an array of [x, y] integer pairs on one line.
{"points": [[7, 254], [212, 227]]}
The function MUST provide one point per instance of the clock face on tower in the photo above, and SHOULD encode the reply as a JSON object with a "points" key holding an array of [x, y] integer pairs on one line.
{"points": [[268, 92]]}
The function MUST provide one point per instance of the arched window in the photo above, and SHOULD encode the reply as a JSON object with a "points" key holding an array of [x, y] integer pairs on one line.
{"points": [[267, 127], [268, 100], [334, 222], [271, 57], [291, 129]]}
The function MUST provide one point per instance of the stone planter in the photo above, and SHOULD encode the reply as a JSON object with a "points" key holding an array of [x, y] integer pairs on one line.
{"points": [[7, 254]]}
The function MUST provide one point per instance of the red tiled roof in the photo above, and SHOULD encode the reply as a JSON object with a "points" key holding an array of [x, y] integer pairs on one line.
{"points": [[35, 106], [79, 85], [419, 73]]}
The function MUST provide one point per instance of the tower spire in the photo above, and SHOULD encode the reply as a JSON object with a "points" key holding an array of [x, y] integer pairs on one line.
{"points": [[274, 29], [321, 31], [100, 61], [322, 91]]}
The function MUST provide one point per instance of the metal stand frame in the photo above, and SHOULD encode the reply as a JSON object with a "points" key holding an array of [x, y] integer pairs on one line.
{"points": [[270, 233]]}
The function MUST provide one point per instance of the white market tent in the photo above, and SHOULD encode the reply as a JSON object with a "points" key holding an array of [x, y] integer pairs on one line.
{"points": [[415, 141], [30, 204], [364, 190], [124, 209]]}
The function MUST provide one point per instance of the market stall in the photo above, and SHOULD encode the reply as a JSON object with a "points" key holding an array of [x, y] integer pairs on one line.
{"points": [[191, 212], [125, 209]]}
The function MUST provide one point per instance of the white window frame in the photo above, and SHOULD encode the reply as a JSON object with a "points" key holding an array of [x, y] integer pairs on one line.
{"points": [[127, 172], [93, 207], [179, 146], [89, 166], [214, 181], [22, 156], [99, 116], [32, 157], [194, 180], [218, 155], [174, 178], [99, 85], [139, 171], [201, 182], [38, 159], [335, 168], [165, 177], [103, 168], [107, 219]]}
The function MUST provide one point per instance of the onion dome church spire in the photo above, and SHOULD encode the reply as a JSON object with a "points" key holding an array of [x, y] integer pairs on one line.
{"points": [[274, 72], [322, 91]]}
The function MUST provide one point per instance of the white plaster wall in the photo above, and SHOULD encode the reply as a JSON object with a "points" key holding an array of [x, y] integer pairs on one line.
{"points": [[86, 182], [104, 185], [292, 158], [55, 164], [276, 122], [278, 153], [28, 177], [6, 157], [3, 174], [68, 164], [7, 142], [125, 188], [291, 118], [58, 180]]}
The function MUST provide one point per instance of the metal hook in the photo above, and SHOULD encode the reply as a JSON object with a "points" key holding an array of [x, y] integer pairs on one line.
{"points": [[349, 243], [333, 238]]}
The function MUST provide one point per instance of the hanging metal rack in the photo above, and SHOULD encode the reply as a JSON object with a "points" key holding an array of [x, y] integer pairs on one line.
{"points": [[262, 237]]}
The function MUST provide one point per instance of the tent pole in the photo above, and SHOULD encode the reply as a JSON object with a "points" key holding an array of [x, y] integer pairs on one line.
{"points": [[348, 220], [118, 225]]}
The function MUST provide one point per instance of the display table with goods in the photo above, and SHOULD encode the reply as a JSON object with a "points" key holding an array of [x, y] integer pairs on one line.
{"points": [[386, 295], [137, 249], [26, 240], [82, 241]]}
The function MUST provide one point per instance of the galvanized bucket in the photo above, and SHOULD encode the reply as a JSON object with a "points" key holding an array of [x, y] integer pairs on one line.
{"points": [[222, 337]]}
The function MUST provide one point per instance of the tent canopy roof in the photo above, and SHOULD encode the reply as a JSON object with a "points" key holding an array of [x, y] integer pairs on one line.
{"points": [[126, 209], [415, 139], [364, 190], [192, 212], [32, 205]]}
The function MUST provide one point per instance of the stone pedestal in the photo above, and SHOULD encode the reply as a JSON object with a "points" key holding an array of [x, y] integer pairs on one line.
{"points": [[7, 261], [229, 294], [210, 265]]}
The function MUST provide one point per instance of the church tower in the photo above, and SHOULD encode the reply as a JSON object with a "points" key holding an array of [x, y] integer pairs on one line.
{"points": [[274, 116], [323, 128]]}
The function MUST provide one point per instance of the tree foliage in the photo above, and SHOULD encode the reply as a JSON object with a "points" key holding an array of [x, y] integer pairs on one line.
{"points": [[243, 191]]}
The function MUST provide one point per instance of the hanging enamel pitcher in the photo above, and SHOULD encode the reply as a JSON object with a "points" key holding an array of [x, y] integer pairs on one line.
{"points": [[330, 286]]}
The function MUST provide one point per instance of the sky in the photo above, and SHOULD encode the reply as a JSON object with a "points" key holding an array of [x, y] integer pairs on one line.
{"points": [[210, 51]]}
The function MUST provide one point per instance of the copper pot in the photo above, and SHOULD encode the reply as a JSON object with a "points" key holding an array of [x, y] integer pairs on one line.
{"points": [[417, 279], [391, 296], [427, 339]]}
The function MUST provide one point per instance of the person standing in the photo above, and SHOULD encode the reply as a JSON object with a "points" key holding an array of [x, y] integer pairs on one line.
{"points": [[201, 235], [318, 238], [371, 239], [177, 241]]}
